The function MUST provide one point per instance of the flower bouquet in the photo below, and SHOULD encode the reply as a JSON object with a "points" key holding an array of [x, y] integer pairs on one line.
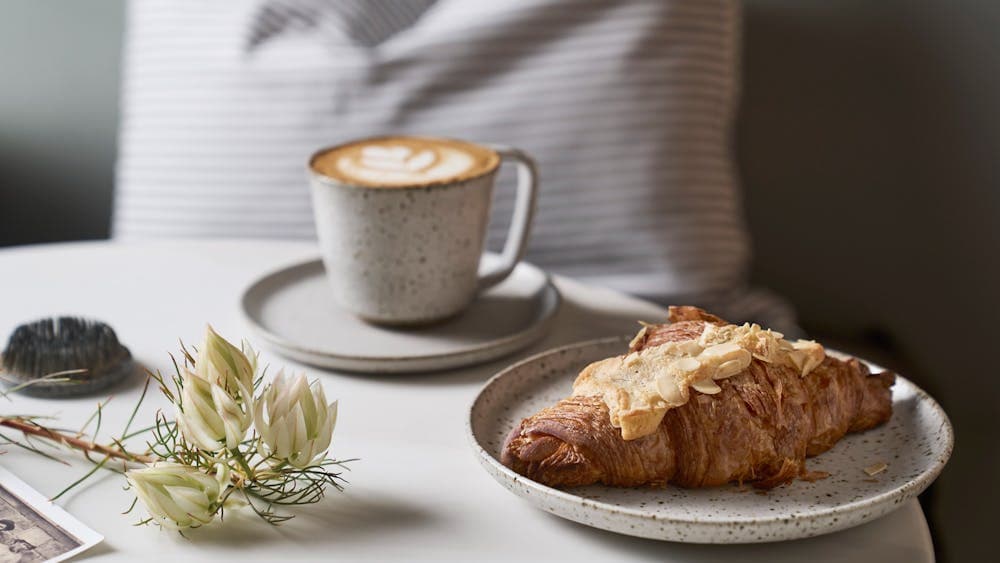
{"points": [[232, 440]]}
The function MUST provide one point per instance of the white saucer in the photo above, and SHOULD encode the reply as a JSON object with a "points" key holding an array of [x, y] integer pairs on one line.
{"points": [[292, 311]]}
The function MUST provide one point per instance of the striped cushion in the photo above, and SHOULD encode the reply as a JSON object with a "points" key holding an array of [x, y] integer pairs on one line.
{"points": [[627, 106]]}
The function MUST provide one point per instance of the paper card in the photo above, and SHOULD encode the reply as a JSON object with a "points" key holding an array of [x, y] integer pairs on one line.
{"points": [[34, 529]]}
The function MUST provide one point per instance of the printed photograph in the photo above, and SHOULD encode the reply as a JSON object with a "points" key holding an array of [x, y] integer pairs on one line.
{"points": [[26, 535], [33, 529]]}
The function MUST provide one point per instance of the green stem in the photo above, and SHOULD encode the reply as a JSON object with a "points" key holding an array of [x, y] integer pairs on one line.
{"points": [[242, 461]]}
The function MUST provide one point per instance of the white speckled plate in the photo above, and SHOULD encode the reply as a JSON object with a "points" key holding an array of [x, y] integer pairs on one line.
{"points": [[293, 311], [915, 443]]}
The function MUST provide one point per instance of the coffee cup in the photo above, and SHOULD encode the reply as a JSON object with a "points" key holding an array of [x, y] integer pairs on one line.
{"points": [[402, 220]]}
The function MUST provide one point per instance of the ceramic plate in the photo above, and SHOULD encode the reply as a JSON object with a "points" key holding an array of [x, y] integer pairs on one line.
{"points": [[292, 310], [915, 444]]}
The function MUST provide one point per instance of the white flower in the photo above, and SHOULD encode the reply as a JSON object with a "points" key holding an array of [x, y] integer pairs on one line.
{"points": [[213, 410], [224, 364], [298, 424], [209, 416], [178, 496]]}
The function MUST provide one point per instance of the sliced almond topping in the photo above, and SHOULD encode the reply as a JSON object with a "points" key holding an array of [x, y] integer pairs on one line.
{"points": [[809, 354], [811, 363], [638, 336], [662, 377], [687, 364], [706, 386], [668, 389], [798, 359], [731, 368], [744, 357], [689, 347], [632, 359], [722, 350], [764, 350]]}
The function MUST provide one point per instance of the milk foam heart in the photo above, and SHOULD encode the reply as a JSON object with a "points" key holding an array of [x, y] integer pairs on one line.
{"points": [[405, 162]]}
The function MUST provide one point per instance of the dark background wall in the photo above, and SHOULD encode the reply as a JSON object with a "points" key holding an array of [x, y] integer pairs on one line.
{"points": [[59, 64], [866, 143]]}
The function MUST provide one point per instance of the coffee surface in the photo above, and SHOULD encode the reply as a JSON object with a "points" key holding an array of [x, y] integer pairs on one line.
{"points": [[398, 162]]}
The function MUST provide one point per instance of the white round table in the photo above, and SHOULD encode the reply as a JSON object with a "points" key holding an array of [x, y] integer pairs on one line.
{"points": [[417, 492]]}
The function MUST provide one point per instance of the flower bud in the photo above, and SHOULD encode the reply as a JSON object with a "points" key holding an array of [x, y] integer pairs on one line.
{"points": [[210, 417], [294, 421], [224, 364], [178, 496]]}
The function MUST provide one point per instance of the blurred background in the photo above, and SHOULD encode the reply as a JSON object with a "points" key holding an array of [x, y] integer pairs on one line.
{"points": [[866, 145]]}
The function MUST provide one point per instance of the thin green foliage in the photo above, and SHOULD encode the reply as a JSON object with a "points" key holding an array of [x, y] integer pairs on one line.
{"points": [[264, 483]]}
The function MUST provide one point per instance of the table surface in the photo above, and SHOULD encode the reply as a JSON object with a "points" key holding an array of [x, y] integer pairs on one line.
{"points": [[417, 492]]}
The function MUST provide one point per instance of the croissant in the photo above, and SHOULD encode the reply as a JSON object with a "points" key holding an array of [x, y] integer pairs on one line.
{"points": [[759, 426]]}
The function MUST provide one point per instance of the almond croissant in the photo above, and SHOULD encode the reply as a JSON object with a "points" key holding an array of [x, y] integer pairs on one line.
{"points": [[758, 428]]}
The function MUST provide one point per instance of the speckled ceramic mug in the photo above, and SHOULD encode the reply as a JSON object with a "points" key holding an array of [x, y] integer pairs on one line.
{"points": [[406, 248]]}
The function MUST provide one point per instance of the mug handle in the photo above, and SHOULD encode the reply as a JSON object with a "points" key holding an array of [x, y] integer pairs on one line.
{"points": [[520, 224]]}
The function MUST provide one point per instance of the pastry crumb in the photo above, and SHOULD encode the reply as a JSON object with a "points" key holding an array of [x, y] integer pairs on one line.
{"points": [[811, 476], [875, 469]]}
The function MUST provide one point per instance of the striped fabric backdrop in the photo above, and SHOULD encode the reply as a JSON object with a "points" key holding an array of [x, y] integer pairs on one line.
{"points": [[627, 106]]}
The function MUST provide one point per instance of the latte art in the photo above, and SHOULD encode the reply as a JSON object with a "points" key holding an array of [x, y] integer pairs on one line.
{"points": [[397, 159], [399, 164], [405, 162]]}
